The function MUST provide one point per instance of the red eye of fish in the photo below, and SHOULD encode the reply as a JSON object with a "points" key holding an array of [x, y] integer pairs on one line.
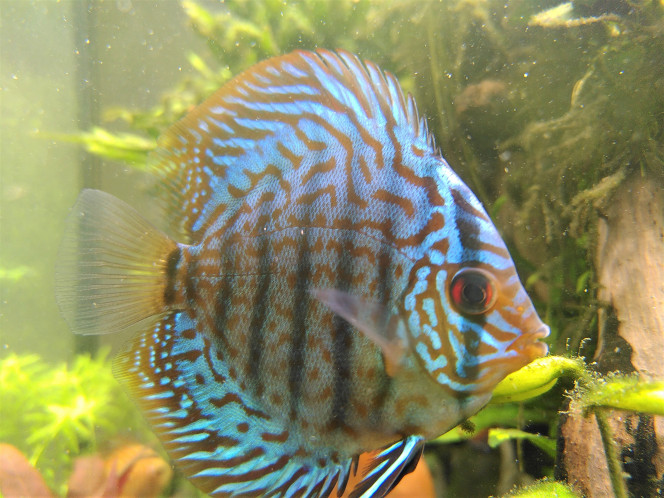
{"points": [[473, 291]]}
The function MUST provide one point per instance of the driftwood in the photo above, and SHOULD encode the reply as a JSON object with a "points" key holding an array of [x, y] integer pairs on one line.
{"points": [[630, 266]]}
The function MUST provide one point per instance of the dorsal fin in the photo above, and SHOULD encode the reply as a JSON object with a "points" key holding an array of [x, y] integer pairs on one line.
{"points": [[262, 108]]}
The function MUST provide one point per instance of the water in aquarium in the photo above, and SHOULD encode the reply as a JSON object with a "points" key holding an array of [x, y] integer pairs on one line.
{"points": [[359, 248]]}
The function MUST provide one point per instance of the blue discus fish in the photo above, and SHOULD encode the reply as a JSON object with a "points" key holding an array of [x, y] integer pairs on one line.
{"points": [[338, 289]]}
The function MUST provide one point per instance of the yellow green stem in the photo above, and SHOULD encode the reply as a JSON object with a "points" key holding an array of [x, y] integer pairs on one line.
{"points": [[612, 460]]}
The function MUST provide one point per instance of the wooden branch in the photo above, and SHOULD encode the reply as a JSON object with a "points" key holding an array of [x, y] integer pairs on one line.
{"points": [[630, 266]]}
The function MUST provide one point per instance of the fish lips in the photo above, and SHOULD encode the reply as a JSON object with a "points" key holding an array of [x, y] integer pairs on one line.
{"points": [[529, 345]]}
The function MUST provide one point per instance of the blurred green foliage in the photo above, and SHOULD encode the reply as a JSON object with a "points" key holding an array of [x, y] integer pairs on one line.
{"points": [[241, 33], [15, 274], [53, 413]]}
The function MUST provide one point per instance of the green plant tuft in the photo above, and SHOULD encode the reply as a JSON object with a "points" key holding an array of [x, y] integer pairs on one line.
{"points": [[53, 413]]}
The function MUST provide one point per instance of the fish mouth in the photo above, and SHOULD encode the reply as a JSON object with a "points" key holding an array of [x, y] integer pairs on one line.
{"points": [[529, 343]]}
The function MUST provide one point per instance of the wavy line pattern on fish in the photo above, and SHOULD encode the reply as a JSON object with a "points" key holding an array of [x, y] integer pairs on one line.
{"points": [[341, 290]]}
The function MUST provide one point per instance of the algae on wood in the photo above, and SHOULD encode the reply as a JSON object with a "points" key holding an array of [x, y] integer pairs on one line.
{"points": [[630, 265]]}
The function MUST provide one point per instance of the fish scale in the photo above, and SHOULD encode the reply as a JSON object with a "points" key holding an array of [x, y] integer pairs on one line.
{"points": [[338, 289], [243, 311]]}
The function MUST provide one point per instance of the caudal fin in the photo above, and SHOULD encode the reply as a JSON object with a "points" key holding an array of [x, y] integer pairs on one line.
{"points": [[112, 264]]}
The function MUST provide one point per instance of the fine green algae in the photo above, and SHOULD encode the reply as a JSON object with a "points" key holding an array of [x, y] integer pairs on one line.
{"points": [[544, 489]]}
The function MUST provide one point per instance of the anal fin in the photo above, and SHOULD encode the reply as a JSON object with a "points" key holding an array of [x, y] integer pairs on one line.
{"points": [[218, 435]]}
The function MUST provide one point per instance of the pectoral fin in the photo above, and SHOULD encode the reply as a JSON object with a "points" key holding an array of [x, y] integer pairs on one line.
{"points": [[383, 328]]}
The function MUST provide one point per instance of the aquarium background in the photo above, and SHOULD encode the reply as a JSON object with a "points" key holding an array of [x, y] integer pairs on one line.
{"points": [[63, 65], [547, 110]]}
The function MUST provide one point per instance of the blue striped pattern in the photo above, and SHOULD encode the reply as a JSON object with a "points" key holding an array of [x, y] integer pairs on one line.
{"points": [[223, 440]]}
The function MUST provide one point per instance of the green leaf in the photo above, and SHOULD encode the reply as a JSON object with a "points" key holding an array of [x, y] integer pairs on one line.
{"points": [[624, 393], [503, 415], [582, 282], [536, 378], [533, 278], [15, 274], [125, 147], [498, 203], [498, 436], [199, 65]]}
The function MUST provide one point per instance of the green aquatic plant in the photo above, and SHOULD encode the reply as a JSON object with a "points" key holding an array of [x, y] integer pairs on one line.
{"points": [[622, 392], [544, 489], [498, 436], [593, 394], [129, 148], [537, 378], [53, 413]]}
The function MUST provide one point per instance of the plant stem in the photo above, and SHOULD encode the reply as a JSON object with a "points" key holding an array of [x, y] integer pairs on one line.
{"points": [[613, 462]]}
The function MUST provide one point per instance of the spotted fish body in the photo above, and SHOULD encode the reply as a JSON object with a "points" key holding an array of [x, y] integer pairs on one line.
{"points": [[341, 290]]}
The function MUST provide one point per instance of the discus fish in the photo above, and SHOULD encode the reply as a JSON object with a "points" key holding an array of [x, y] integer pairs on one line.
{"points": [[338, 289]]}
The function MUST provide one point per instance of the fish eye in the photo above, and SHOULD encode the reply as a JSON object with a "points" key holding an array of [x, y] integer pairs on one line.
{"points": [[473, 291]]}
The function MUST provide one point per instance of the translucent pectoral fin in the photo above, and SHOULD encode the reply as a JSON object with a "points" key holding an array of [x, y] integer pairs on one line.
{"points": [[388, 467], [384, 329]]}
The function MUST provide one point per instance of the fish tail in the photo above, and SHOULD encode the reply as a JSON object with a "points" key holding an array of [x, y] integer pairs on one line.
{"points": [[112, 266]]}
